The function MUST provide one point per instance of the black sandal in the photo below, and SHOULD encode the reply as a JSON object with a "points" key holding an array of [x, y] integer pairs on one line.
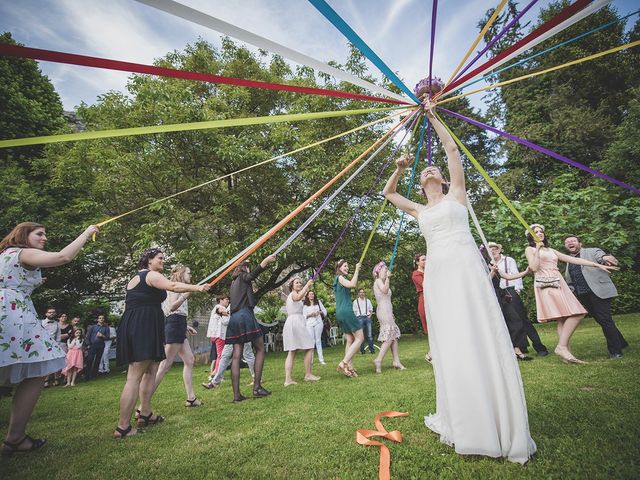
{"points": [[261, 392], [146, 420], [522, 357], [192, 403], [11, 448], [126, 432]]}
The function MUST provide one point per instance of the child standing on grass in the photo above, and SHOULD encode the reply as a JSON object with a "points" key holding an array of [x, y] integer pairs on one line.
{"points": [[75, 359]]}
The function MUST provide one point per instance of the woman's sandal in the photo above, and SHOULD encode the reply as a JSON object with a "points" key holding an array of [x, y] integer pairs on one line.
{"points": [[354, 372], [10, 448], [146, 420], [344, 369], [196, 402], [523, 357], [121, 433]]}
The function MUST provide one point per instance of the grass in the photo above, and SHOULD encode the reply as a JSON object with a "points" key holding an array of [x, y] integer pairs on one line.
{"points": [[584, 418]]}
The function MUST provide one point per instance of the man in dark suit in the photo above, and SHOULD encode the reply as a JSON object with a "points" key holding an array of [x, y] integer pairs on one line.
{"points": [[96, 335], [595, 290]]}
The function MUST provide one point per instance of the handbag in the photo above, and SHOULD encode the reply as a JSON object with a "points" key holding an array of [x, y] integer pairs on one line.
{"points": [[547, 282]]}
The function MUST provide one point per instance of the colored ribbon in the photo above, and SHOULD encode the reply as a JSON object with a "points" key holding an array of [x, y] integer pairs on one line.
{"points": [[525, 43], [87, 61], [373, 231], [550, 49], [489, 180], [360, 205], [182, 127], [411, 180], [498, 36], [434, 14], [543, 150], [542, 72], [213, 23], [330, 14], [302, 206], [337, 191], [363, 437], [480, 36], [272, 159]]}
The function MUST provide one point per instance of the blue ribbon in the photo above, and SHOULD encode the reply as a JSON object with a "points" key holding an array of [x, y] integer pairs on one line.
{"points": [[411, 179], [331, 15]]}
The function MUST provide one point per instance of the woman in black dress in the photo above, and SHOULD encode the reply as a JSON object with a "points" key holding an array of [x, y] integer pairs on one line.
{"points": [[243, 326], [140, 340]]}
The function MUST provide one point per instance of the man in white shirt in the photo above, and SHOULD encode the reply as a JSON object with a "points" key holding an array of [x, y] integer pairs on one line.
{"points": [[512, 291], [363, 309]]}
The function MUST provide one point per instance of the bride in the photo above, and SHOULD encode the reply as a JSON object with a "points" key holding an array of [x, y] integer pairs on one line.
{"points": [[480, 403]]}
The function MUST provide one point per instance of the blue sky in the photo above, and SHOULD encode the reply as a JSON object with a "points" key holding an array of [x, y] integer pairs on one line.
{"points": [[397, 30]]}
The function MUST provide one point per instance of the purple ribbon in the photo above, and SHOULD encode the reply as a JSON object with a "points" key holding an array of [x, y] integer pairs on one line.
{"points": [[362, 200], [546, 151], [434, 13], [496, 38]]}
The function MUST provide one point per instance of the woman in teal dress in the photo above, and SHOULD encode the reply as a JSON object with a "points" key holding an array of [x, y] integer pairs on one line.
{"points": [[347, 320]]}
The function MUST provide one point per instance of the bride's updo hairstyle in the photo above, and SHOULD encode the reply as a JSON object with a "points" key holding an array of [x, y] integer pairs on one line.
{"points": [[445, 185]]}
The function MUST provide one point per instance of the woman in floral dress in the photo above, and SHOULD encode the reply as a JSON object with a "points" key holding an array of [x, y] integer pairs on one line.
{"points": [[27, 353]]}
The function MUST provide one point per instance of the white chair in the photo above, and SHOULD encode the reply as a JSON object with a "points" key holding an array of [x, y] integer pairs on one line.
{"points": [[269, 342], [333, 336]]}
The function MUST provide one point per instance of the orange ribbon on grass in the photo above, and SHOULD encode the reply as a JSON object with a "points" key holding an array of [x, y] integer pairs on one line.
{"points": [[363, 438]]}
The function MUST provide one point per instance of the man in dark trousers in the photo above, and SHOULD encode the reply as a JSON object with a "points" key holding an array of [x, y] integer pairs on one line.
{"points": [[96, 335], [595, 290]]}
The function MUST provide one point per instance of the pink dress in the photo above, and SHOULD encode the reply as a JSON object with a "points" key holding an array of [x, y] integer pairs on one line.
{"points": [[75, 357], [389, 331], [554, 303]]}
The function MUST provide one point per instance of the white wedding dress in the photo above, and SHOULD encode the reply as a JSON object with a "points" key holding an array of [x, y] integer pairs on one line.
{"points": [[480, 403]]}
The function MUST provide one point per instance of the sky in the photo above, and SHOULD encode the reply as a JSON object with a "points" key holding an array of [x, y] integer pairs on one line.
{"points": [[397, 30]]}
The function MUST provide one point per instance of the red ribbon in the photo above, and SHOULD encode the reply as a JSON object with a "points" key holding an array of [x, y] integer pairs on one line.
{"points": [[362, 437], [548, 25], [87, 61]]}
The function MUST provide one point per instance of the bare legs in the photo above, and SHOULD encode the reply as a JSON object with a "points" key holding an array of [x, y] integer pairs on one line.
{"points": [[393, 345], [24, 401], [308, 369], [171, 350], [354, 340], [565, 328], [71, 377], [132, 390]]}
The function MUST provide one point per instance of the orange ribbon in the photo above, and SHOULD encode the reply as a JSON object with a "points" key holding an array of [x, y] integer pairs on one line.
{"points": [[362, 437]]}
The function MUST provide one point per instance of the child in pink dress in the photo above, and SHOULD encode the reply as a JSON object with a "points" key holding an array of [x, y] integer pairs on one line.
{"points": [[75, 359]]}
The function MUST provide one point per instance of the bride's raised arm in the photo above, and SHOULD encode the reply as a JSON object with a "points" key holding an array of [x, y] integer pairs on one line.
{"points": [[457, 187], [393, 196]]}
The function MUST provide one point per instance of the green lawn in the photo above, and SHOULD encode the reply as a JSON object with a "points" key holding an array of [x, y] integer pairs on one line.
{"points": [[584, 418]]}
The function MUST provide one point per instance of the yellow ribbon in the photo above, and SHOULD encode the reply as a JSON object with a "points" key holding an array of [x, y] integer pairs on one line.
{"points": [[182, 127], [535, 74], [489, 180], [315, 144], [480, 37]]}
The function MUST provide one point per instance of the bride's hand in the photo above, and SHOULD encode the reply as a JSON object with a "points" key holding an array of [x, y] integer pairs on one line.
{"points": [[429, 107], [403, 162]]}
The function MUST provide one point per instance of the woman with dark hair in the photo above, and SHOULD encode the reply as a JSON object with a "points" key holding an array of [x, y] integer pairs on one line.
{"points": [[140, 338], [417, 277], [554, 299], [347, 321], [480, 403], [28, 353], [295, 335], [243, 326], [314, 314]]}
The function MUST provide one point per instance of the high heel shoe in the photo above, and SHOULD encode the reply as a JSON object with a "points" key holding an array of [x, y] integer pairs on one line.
{"points": [[344, 369], [399, 366]]}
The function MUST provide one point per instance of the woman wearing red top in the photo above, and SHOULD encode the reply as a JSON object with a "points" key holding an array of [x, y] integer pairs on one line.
{"points": [[418, 277]]}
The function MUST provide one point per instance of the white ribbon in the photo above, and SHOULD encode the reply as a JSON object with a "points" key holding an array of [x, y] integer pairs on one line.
{"points": [[195, 16]]}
